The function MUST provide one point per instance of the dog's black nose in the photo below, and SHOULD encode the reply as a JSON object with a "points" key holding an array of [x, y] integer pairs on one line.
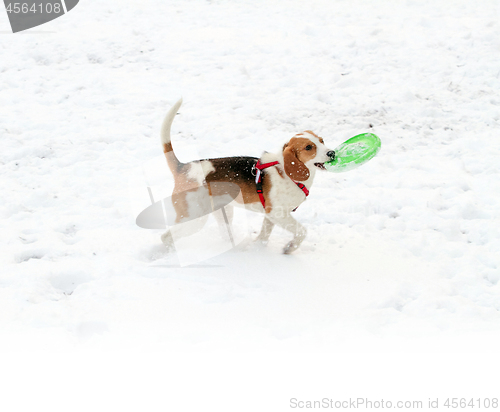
{"points": [[331, 154]]}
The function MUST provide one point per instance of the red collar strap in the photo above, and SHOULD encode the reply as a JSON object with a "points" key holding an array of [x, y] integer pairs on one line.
{"points": [[261, 166], [258, 181], [302, 187]]}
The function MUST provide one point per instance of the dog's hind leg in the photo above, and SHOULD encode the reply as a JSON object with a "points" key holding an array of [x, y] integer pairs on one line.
{"points": [[191, 209], [182, 229], [168, 241], [224, 219]]}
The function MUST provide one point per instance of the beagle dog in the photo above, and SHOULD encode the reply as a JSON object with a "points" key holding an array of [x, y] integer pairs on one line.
{"points": [[276, 184]]}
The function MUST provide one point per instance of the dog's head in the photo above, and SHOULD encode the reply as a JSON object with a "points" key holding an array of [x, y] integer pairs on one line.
{"points": [[304, 152]]}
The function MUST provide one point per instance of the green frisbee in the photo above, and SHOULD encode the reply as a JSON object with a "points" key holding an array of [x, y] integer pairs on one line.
{"points": [[354, 152]]}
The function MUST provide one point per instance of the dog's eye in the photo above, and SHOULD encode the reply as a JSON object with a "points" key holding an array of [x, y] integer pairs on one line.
{"points": [[309, 147]]}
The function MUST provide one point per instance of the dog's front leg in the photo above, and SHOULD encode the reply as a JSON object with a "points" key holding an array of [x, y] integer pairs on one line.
{"points": [[265, 232], [287, 222]]}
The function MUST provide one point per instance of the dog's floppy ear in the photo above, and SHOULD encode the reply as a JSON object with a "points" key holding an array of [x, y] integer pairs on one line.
{"points": [[294, 168]]}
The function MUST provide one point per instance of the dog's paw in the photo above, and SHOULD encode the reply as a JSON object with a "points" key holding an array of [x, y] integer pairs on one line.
{"points": [[255, 245], [290, 247], [259, 241]]}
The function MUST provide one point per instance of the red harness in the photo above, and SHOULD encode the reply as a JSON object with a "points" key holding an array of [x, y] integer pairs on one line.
{"points": [[258, 182]]}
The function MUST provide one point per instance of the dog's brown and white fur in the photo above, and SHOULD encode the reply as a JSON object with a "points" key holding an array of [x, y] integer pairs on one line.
{"points": [[298, 161]]}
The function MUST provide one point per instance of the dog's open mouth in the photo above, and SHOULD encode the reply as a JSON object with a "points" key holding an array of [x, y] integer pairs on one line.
{"points": [[320, 166]]}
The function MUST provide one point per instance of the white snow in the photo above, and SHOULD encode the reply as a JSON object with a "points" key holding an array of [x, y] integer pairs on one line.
{"points": [[401, 252]]}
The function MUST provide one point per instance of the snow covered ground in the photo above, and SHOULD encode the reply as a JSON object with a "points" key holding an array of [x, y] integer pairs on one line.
{"points": [[401, 254]]}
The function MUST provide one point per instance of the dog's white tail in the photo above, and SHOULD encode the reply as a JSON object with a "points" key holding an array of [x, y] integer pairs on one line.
{"points": [[165, 135]]}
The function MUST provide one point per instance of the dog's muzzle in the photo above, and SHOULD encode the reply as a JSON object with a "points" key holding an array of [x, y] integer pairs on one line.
{"points": [[331, 155]]}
